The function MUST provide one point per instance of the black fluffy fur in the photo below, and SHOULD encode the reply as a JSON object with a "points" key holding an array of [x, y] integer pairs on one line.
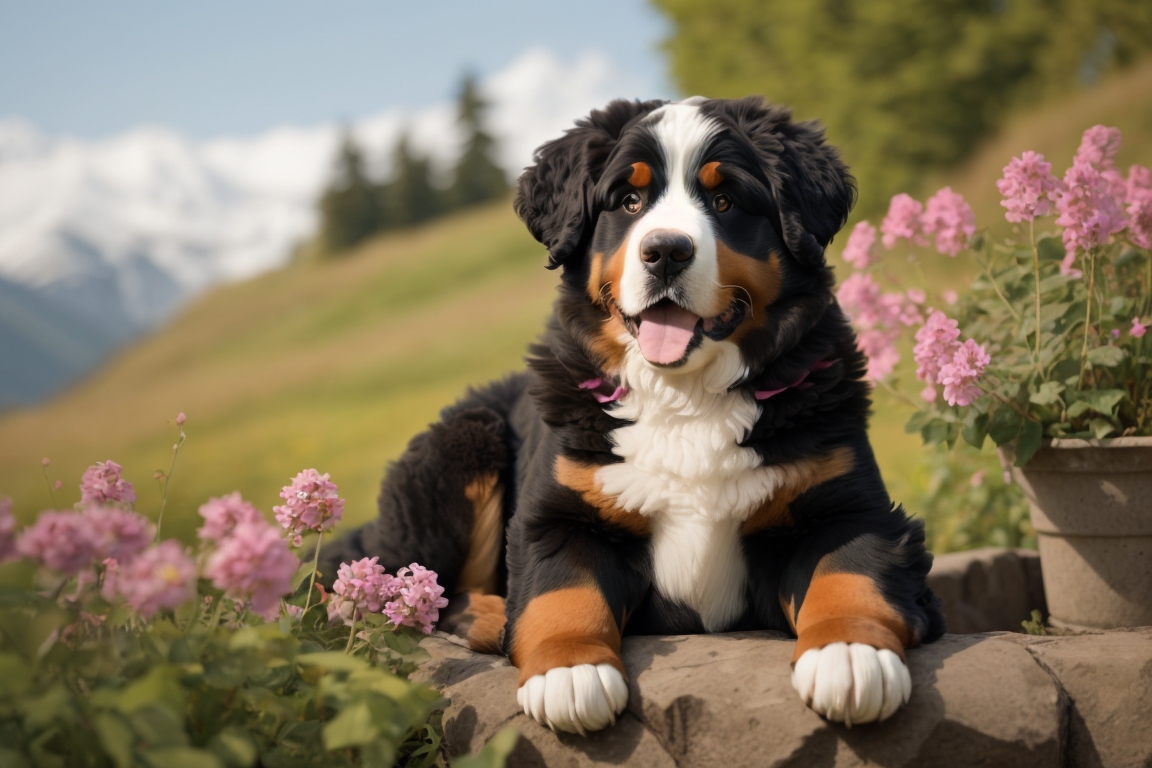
{"points": [[780, 170]]}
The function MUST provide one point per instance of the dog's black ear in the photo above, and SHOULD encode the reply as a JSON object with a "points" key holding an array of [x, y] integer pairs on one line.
{"points": [[811, 185], [555, 196]]}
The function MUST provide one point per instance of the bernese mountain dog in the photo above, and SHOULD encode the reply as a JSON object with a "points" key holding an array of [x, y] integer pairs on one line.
{"points": [[687, 451]]}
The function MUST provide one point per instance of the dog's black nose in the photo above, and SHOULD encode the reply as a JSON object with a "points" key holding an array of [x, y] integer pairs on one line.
{"points": [[667, 252]]}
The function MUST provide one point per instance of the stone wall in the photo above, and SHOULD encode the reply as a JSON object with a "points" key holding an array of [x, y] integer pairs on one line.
{"points": [[987, 699]]}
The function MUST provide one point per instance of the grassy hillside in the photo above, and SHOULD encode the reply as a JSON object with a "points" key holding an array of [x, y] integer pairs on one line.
{"points": [[336, 365]]}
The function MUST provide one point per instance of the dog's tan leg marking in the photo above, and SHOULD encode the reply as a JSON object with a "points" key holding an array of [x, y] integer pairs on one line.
{"points": [[803, 476], [479, 571], [582, 479], [848, 608], [486, 635], [565, 628]]}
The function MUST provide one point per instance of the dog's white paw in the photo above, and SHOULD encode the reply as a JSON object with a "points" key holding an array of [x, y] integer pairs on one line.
{"points": [[852, 682], [575, 699]]}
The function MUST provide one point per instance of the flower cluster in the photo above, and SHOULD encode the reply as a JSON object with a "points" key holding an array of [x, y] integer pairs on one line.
{"points": [[419, 600], [102, 484], [411, 598], [878, 318], [311, 503], [1028, 187], [949, 217], [253, 562], [942, 359], [7, 529], [222, 515], [861, 249]]}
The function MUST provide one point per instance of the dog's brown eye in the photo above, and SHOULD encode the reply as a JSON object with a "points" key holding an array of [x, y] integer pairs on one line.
{"points": [[721, 203], [633, 203]]}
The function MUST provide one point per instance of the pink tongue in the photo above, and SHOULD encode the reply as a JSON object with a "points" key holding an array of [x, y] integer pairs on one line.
{"points": [[665, 333]]}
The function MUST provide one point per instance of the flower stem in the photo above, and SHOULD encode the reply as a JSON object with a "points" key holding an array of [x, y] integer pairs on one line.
{"points": [[987, 264], [312, 579], [1087, 315], [1036, 268], [51, 490], [168, 480], [215, 621], [351, 635]]}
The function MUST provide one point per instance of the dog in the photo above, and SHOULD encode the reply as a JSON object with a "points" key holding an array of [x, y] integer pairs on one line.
{"points": [[687, 451]]}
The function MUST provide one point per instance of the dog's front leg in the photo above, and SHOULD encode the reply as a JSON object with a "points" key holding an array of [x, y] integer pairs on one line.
{"points": [[854, 610], [566, 644]]}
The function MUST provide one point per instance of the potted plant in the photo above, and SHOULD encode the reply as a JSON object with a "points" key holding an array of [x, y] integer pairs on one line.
{"points": [[1045, 354]]}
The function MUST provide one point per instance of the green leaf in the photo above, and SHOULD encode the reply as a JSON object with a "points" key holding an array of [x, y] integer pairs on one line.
{"points": [[1101, 427], [116, 738], [1003, 425], [1107, 357], [1050, 248], [1028, 442], [935, 431], [15, 675], [52, 704], [494, 754], [1048, 394], [234, 746], [976, 430], [917, 420], [352, 727], [1102, 401], [181, 757], [161, 686], [334, 661], [302, 573]]}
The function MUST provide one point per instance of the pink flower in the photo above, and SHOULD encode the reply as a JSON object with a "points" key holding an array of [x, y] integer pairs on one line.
{"points": [[1028, 187], [859, 296], [102, 484], [419, 601], [959, 376], [936, 343], [181, 419], [902, 221], [1098, 147], [223, 514], [861, 248], [161, 577], [1089, 211], [950, 218], [254, 562], [916, 296], [1138, 195], [950, 297], [880, 349], [108, 588], [7, 530], [45, 462], [361, 587], [62, 541], [311, 504], [118, 533], [1138, 329], [977, 479]]}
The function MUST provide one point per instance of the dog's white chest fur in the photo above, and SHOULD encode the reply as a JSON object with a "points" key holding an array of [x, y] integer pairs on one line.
{"points": [[683, 468]]}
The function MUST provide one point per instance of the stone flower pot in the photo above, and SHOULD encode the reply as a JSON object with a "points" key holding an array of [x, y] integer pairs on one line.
{"points": [[1091, 504]]}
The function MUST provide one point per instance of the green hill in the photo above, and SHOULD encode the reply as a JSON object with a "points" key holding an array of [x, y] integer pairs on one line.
{"points": [[337, 364]]}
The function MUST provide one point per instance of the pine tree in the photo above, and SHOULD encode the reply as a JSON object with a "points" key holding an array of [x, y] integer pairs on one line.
{"points": [[409, 197], [477, 177], [350, 207]]}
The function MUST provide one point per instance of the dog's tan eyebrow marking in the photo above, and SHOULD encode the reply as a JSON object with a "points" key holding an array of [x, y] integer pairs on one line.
{"points": [[710, 175], [641, 175]]}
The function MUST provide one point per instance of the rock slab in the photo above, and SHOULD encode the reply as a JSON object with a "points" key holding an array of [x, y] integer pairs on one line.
{"points": [[988, 590], [994, 699]]}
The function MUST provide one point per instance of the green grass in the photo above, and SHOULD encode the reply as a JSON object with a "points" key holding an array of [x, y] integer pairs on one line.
{"points": [[335, 365]]}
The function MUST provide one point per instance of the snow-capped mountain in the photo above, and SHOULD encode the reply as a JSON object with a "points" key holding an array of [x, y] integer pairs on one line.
{"points": [[112, 236]]}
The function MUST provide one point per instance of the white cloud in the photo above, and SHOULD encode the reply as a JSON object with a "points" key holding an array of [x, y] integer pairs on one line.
{"points": [[224, 209]]}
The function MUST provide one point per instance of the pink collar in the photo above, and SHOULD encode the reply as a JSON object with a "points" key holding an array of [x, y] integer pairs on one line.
{"points": [[761, 394], [800, 383], [601, 397]]}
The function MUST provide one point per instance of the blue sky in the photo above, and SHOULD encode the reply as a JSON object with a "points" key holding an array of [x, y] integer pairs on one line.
{"points": [[208, 67]]}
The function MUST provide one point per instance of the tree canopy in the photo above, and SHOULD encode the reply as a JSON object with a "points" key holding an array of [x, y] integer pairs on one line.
{"points": [[903, 86]]}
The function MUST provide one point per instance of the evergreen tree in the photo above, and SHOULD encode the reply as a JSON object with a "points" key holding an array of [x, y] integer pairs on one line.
{"points": [[350, 207], [409, 197], [477, 177]]}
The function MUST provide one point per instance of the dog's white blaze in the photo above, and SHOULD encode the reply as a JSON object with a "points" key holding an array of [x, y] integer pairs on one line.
{"points": [[682, 132], [683, 467]]}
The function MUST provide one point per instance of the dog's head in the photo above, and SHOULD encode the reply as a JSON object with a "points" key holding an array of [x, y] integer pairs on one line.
{"points": [[685, 222]]}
